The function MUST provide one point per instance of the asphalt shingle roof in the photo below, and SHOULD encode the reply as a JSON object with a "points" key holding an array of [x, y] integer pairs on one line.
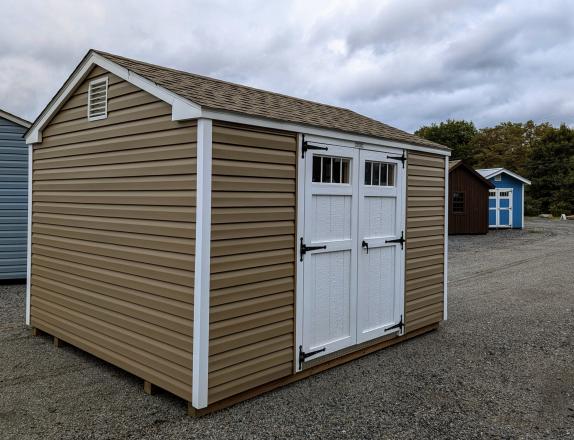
{"points": [[221, 95]]}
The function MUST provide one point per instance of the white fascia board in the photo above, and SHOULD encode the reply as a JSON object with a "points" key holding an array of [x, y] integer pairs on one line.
{"points": [[181, 108], [505, 171], [310, 130], [200, 370], [29, 236], [15, 119]]}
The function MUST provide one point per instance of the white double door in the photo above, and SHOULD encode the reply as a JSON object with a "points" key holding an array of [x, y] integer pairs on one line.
{"points": [[353, 273]]}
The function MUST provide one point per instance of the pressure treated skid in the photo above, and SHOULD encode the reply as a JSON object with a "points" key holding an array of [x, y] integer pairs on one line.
{"points": [[143, 222]]}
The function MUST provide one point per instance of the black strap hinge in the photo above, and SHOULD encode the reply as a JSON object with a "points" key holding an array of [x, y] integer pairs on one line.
{"points": [[303, 356], [402, 158], [400, 326], [303, 249], [306, 147], [401, 240]]}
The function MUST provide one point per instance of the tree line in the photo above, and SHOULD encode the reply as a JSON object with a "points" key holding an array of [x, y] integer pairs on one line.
{"points": [[542, 153]]}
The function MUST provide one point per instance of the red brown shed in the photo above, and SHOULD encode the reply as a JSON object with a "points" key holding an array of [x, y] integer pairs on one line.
{"points": [[468, 200]]}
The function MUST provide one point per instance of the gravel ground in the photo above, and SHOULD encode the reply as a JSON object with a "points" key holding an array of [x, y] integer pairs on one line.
{"points": [[502, 366]]}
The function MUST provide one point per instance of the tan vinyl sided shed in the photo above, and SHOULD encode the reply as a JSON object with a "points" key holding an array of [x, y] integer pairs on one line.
{"points": [[219, 241]]}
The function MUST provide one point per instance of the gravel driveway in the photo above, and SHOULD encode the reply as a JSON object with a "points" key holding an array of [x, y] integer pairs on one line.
{"points": [[502, 366]]}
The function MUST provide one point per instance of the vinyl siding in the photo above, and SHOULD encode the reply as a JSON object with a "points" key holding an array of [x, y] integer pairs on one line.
{"points": [[425, 240], [13, 200], [252, 259], [113, 233]]}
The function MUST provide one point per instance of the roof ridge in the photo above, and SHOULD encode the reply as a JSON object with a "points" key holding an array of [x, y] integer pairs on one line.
{"points": [[320, 114], [210, 78]]}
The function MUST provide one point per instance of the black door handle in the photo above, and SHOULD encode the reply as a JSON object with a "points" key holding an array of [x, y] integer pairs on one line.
{"points": [[365, 245]]}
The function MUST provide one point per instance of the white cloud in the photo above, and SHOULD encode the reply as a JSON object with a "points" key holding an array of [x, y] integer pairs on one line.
{"points": [[405, 63]]}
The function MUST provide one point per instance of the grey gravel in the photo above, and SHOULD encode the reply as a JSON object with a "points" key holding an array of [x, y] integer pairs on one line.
{"points": [[502, 366]]}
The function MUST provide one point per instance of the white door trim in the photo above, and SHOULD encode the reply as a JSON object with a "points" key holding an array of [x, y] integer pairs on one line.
{"points": [[497, 208]]}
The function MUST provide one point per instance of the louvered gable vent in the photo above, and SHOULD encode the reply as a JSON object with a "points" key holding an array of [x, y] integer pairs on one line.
{"points": [[98, 99]]}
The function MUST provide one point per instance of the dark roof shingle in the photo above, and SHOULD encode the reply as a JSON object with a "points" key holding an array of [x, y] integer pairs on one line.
{"points": [[221, 95]]}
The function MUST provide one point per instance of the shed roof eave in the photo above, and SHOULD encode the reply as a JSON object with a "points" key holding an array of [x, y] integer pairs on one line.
{"points": [[15, 119]]}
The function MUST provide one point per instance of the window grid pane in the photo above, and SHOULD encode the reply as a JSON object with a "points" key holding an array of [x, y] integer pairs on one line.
{"points": [[379, 173], [330, 169]]}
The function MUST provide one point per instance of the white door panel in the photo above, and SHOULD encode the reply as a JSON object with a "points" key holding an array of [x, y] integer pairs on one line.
{"points": [[330, 275], [350, 295], [381, 218]]}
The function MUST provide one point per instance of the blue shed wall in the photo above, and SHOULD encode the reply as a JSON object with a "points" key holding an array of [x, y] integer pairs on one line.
{"points": [[517, 202], [13, 200]]}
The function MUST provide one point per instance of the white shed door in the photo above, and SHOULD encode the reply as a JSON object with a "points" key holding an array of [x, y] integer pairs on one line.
{"points": [[330, 275], [353, 199], [381, 226]]}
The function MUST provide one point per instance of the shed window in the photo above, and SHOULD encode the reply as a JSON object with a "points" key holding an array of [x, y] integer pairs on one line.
{"points": [[492, 193], [498, 178], [504, 193], [328, 169], [379, 173], [458, 203], [98, 99]]}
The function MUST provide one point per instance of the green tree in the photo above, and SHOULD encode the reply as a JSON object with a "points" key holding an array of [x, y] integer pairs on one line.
{"points": [[456, 135], [507, 145], [550, 166]]}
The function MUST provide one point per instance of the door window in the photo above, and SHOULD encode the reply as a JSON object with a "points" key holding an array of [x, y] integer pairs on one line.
{"points": [[327, 169], [379, 173]]}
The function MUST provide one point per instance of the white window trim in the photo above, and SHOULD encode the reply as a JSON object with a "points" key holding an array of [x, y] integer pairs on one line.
{"points": [[92, 82], [200, 369]]}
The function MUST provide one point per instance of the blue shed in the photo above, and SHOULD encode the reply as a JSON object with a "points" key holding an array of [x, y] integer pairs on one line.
{"points": [[506, 200], [13, 196]]}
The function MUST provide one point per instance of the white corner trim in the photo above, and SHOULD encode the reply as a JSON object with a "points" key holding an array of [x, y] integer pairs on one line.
{"points": [[522, 207], [446, 203], [334, 135], [181, 107], [29, 236], [202, 265], [299, 288]]}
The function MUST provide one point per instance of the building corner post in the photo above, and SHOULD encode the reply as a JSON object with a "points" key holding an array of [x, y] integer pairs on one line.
{"points": [[29, 236], [202, 264]]}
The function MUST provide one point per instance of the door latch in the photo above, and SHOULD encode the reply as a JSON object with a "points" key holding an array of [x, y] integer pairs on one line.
{"points": [[365, 245], [303, 356], [401, 240], [304, 249]]}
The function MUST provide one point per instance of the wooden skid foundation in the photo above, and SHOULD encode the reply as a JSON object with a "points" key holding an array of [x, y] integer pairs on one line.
{"points": [[363, 351], [360, 352]]}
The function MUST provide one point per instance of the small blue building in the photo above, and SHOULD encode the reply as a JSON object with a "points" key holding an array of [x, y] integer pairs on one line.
{"points": [[13, 196], [506, 200]]}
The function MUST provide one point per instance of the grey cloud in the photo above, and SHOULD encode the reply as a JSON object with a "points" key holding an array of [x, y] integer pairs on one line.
{"points": [[405, 63]]}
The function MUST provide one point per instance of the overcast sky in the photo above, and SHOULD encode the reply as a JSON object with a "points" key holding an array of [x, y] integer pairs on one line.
{"points": [[404, 62]]}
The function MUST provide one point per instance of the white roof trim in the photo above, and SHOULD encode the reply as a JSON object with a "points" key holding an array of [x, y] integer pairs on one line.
{"points": [[486, 173], [238, 118], [181, 107], [15, 119]]}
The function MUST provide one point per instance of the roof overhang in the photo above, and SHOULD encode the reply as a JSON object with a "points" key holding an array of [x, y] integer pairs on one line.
{"points": [[15, 119], [497, 172], [472, 171], [182, 108]]}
